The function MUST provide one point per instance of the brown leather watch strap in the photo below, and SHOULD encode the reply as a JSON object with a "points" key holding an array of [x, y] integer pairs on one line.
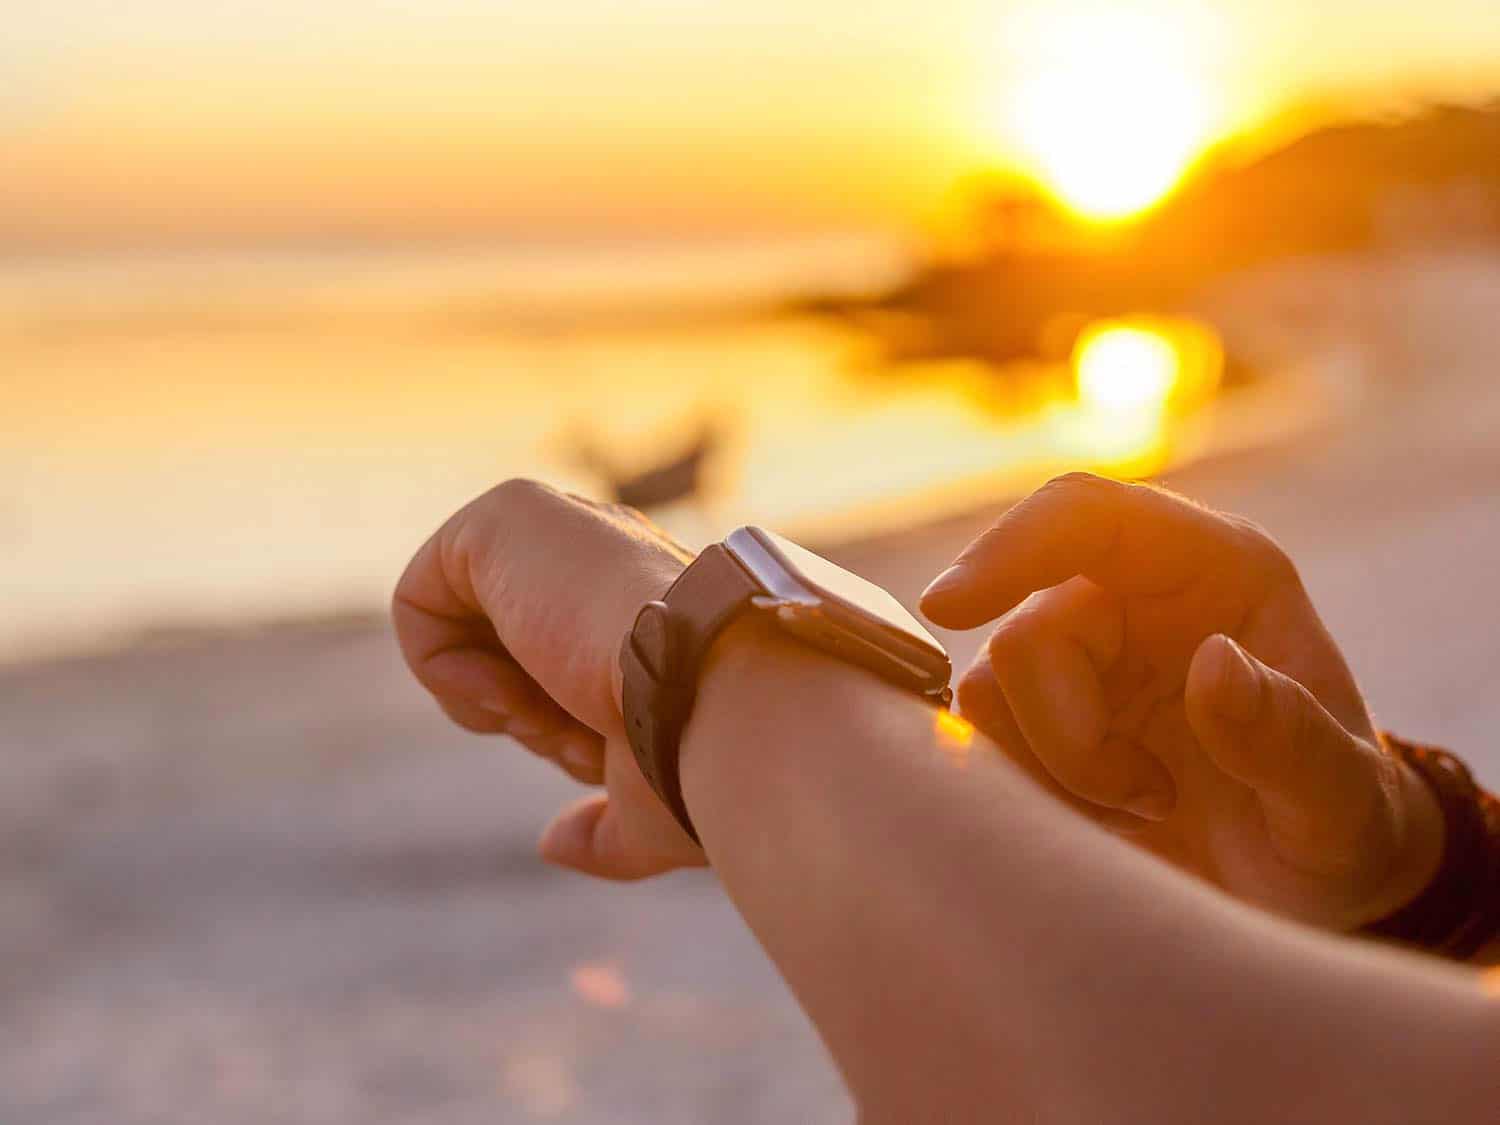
{"points": [[660, 662]]}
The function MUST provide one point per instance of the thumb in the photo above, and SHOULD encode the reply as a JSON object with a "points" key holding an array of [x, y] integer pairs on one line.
{"points": [[1326, 794], [589, 836]]}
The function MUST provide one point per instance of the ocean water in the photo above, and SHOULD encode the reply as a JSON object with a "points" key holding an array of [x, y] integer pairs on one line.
{"points": [[207, 441]]}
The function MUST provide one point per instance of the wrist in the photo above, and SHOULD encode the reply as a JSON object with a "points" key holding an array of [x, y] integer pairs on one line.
{"points": [[773, 719], [661, 576], [755, 575], [754, 670]]}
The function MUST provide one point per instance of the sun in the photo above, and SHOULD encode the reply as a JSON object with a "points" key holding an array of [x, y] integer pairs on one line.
{"points": [[1110, 108]]}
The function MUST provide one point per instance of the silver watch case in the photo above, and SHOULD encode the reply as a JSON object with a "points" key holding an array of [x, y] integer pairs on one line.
{"points": [[840, 613]]}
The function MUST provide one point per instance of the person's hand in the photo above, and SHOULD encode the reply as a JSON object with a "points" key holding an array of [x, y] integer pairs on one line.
{"points": [[1161, 668], [512, 616]]}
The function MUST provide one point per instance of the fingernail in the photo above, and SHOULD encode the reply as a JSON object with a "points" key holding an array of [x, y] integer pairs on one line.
{"points": [[1238, 697], [944, 582]]}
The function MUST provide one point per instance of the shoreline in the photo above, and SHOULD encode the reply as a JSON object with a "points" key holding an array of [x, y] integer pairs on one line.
{"points": [[1240, 423]]}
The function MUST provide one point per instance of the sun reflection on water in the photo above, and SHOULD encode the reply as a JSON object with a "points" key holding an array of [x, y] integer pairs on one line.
{"points": [[246, 475], [1131, 377], [1120, 367]]}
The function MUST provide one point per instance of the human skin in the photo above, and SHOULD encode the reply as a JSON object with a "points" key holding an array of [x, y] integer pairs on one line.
{"points": [[969, 949], [1161, 667]]}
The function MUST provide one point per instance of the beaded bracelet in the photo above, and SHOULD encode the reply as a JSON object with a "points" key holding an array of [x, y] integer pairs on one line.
{"points": [[1459, 912]]}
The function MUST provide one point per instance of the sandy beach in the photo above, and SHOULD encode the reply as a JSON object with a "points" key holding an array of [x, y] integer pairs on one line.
{"points": [[255, 877]]}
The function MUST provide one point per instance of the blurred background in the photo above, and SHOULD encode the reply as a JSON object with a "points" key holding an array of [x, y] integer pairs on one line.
{"points": [[281, 285]]}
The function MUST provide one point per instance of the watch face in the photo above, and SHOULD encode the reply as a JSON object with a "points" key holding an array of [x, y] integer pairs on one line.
{"points": [[840, 611]]}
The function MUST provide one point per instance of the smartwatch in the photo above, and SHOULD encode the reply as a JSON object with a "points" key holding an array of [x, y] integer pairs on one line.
{"points": [[755, 571]]}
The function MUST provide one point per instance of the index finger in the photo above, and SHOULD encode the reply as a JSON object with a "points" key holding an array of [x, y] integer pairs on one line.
{"points": [[1129, 538]]}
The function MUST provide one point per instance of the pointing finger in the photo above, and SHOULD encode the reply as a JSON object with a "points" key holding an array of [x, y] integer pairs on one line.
{"points": [[1129, 538]]}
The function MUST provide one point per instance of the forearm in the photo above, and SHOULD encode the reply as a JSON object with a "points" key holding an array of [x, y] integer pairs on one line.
{"points": [[835, 836], [970, 950]]}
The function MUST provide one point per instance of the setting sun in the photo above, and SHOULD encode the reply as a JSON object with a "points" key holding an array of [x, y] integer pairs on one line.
{"points": [[1113, 109]]}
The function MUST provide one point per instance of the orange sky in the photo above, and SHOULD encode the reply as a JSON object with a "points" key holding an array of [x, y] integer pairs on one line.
{"points": [[169, 120]]}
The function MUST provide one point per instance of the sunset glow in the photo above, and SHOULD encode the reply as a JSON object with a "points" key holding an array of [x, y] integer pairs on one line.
{"points": [[453, 120], [1114, 109]]}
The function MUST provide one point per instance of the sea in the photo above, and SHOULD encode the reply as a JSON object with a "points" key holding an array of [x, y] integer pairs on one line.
{"points": [[196, 439]]}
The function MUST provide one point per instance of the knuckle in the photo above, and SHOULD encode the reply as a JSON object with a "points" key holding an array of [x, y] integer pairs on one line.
{"points": [[971, 698], [1007, 644], [1042, 505], [518, 491], [1297, 725], [1265, 556], [1084, 776], [1062, 490], [1019, 632], [476, 529], [1078, 478], [1069, 488], [403, 594], [977, 688]]}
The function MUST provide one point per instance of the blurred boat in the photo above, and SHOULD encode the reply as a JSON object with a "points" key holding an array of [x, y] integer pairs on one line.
{"points": [[678, 478]]}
